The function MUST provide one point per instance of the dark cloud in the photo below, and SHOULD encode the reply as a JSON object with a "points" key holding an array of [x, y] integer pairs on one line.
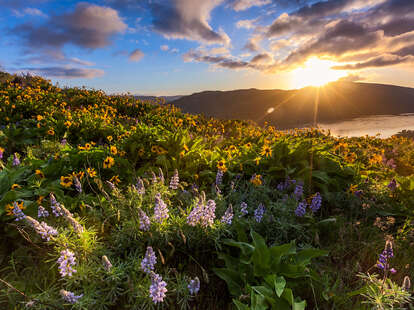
{"points": [[88, 26], [380, 61], [187, 19], [136, 55], [262, 58], [66, 72]]}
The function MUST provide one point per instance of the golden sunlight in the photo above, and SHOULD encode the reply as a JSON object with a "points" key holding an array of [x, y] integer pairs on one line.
{"points": [[316, 72]]}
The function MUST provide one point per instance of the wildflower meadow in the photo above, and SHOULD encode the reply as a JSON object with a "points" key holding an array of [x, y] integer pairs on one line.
{"points": [[110, 202]]}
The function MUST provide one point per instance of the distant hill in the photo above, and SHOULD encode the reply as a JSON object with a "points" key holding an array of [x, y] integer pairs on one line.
{"points": [[151, 98], [295, 108]]}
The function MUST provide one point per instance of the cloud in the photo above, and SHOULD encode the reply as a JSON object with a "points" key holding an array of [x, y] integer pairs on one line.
{"points": [[262, 58], [136, 55], [187, 19], [380, 61], [28, 11], [246, 23], [88, 26], [164, 48], [252, 45], [66, 72], [351, 78], [241, 5]]}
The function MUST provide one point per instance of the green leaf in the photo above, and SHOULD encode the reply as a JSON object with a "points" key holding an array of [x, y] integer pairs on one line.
{"points": [[304, 257], [261, 255], [280, 284], [240, 306], [232, 279]]}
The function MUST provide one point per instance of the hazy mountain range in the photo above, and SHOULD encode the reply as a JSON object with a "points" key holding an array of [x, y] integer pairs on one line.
{"points": [[296, 108]]}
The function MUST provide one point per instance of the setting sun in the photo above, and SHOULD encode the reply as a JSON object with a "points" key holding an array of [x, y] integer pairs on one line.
{"points": [[315, 72]]}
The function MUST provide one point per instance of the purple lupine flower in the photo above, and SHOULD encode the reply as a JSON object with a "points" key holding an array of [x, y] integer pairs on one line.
{"points": [[139, 187], [406, 283], [45, 231], [219, 177], [63, 142], [285, 184], [144, 221], [160, 209], [111, 185], [18, 212], [55, 206], [316, 202], [149, 260], [106, 263], [174, 180], [16, 160], [298, 191], [259, 212], [66, 262], [69, 296], [202, 214], [392, 185], [153, 178], [157, 288], [228, 216], [78, 185], [194, 286], [383, 258], [243, 209], [42, 212], [301, 209]]}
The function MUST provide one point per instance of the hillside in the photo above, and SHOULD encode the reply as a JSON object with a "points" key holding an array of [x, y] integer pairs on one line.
{"points": [[109, 202], [295, 108]]}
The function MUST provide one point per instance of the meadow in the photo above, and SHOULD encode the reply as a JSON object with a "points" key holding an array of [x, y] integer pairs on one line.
{"points": [[109, 202]]}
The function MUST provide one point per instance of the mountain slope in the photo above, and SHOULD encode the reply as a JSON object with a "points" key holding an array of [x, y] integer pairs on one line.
{"points": [[295, 108]]}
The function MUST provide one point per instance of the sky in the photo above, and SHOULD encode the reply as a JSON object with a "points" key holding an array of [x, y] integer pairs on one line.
{"points": [[178, 47]]}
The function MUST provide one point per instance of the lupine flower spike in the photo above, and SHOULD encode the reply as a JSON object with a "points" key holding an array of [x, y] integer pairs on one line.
{"points": [[69, 296], [160, 209], [149, 261], [316, 202], [42, 212], [243, 209], [301, 209], [158, 288], [194, 286], [175, 180], [228, 216], [66, 262], [106, 263], [144, 221], [16, 160], [139, 187], [259, 212], [18, 212]]}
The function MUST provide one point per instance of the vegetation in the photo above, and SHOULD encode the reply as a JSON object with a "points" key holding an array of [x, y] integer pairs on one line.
{"points": [[108, 202]]}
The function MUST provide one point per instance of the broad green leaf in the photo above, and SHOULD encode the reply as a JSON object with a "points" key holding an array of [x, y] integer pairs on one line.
{"points": [[240, 306], [280, 284], [232, 279]]}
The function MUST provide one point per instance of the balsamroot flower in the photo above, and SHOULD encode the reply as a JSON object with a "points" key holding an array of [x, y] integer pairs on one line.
{"points": [[175, 180], [160, 209], [149, 261], [66, 262], [106, 263], [69, 296], [42, 212], [158, 288], [194, 286], [228, 215], [243, 209], [301, 209], [316, 202], [144, 221], [259, 212]]}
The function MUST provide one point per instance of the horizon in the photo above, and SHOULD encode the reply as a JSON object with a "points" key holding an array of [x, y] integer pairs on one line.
{"points": [[181, 47]]}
